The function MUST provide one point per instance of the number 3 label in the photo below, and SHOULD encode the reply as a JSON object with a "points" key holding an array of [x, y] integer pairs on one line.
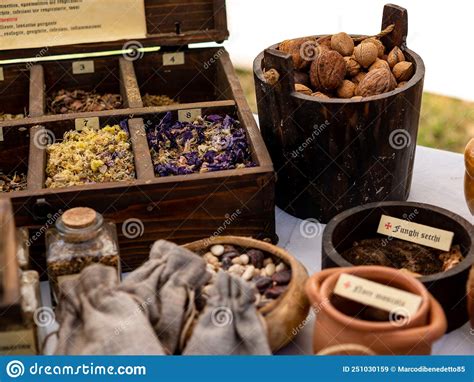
{"points": [[82, 67]]}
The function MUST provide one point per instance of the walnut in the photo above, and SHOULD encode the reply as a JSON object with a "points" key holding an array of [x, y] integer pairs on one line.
{"points": [[378, 44], [325, 42], [342, 43], [271, 76], [401, 84], [352, 66], [358, 77], [328, 70], [379, 64], [403, 71], [365, 53], [302, 51], [303, 89], [377, 81], [357, 97], [346, 90], [319, 94], [395, 56]]}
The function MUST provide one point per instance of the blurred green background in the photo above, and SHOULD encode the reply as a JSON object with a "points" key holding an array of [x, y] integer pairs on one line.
{"points": [[446, 123]]}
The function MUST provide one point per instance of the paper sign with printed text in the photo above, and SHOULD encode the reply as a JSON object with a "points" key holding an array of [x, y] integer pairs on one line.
{"points": [[415, 233], [44, 23], [377, 295]]}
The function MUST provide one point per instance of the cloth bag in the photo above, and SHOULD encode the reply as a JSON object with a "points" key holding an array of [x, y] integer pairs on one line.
{"points": [[97, 317], [167, 282], [230, 323]]}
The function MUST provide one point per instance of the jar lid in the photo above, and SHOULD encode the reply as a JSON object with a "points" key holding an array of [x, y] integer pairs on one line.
{"points": [[79, 217]]}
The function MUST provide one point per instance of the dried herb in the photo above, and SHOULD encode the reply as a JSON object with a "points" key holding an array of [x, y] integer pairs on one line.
{"points": [[9, 117], [403, 255], [65, 101], [157, 100], [90, 156], [12, 182], [212, 143]]}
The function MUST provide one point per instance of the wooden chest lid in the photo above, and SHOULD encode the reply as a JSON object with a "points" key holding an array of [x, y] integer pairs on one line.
{"points": [[168, 23]]}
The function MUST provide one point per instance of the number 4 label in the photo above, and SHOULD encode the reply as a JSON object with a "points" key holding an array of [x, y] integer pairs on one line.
{"points": [[176, 58]]}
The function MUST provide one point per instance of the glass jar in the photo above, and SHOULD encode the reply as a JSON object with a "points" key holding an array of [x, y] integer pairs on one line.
{"points": [[80, 238], [20, 336]]}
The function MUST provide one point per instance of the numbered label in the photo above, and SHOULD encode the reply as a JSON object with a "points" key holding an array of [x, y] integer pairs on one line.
{"points": [[1, 74], [82, 67], [176, 58], [188, 115], [91, 123], [1, 134]]}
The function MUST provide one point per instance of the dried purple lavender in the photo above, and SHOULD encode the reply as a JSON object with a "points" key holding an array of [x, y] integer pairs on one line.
{"points": [[212, 143]]}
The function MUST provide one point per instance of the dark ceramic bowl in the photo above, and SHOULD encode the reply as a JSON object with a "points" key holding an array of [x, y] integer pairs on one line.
{"points": [[359, 223]]}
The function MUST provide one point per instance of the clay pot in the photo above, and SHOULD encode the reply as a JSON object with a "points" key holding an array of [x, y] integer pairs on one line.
{"points": [[448, 288], [347, 349], [470, 296], [284, 314], [334, 327], [469, 176]]}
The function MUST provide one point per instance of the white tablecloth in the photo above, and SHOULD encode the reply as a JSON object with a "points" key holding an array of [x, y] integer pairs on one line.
{"points": [[437, 179]]}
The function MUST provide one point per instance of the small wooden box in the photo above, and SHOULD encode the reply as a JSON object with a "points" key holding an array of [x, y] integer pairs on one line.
{"points": [[180, 208]]}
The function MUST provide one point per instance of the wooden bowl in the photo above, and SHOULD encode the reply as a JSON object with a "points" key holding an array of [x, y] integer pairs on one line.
{"points": [[284, 315], [470, 296], [469, 176], [361, 223]]}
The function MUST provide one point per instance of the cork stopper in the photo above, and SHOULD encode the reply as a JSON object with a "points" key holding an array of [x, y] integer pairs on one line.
{"points": [[79, 217]]}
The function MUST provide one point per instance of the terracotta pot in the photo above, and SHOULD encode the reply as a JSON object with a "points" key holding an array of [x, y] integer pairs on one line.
{"points": [[470, 296], [284, 315], [347, 349], [469, 176], [333, 327]]}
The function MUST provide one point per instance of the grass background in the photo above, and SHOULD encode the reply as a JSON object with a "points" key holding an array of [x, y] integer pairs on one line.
{"points": [[446, 123]]}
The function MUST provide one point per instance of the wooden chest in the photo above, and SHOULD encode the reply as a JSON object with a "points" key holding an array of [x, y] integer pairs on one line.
{"points": [[181, 208]]}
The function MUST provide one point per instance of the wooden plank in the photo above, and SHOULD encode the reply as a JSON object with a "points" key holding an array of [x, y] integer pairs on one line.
{"points": [[37, 91], [10, 310], [393, 14], [128, 85], [39, 139], [231, 82], [141, 152]]}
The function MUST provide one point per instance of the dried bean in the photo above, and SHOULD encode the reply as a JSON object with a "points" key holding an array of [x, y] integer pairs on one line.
{"points": [[263, 283], [244, 259], [256, 257], [275, 291], [282, 277], [248, 273], [217, 250], [270, 269], [226, 263], [281, 267]]}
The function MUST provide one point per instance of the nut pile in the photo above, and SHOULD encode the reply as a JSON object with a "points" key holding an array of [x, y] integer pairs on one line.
{"points": [[9, 117], [340, 66], [157, 100], [77, 101], [12, 182], [90, 156], [270, 275]]}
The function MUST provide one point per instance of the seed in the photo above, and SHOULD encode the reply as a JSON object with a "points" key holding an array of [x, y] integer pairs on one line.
{"points": [[282, 277], [248, 273], [217, 250], [281, 267], [270, 269], [244, 259]]}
